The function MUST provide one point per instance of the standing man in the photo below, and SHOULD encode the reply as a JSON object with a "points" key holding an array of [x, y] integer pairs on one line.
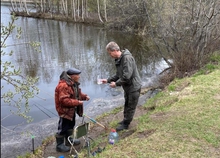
{"points": [[68, 100], [128, 77]]}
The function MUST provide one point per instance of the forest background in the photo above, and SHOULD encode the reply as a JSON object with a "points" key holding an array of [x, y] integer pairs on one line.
{"points": [[186, 32]]}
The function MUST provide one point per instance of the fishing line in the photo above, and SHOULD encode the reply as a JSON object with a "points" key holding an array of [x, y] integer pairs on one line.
{"points": [[42, 111], [40, 97], [48, 94], [43, 108]]}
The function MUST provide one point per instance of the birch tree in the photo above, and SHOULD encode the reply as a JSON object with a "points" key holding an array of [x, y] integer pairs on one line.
{"points": [[99, 14], [105, 10]]}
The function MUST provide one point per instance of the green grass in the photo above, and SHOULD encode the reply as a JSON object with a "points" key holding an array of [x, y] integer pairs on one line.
{"points": [[184, 123]]}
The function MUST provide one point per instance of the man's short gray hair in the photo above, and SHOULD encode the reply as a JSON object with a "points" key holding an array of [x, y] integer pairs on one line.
{"points": [[112, 46]]}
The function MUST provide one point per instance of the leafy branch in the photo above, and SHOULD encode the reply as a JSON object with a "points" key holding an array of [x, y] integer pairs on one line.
{"points": [[20, 89]]}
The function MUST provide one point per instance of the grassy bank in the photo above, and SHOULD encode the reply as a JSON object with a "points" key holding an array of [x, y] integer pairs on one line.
{"points": [[185, 122]]}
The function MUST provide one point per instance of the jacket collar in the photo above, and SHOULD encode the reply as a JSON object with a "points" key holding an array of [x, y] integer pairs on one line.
{"points": [[124, 52]]}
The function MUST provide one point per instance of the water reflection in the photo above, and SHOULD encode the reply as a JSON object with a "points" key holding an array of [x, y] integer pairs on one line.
{"points": [[66, 45]]}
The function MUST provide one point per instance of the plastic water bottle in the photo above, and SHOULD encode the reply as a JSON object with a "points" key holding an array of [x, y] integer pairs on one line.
{"points": [[113, 137]]}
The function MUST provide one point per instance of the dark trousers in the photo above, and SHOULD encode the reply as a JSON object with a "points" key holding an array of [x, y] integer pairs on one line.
{"points": [[64, 125], [131, 101]]}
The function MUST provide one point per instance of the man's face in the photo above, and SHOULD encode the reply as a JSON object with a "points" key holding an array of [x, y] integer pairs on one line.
{"points": [[112, 53], [75, 77]]}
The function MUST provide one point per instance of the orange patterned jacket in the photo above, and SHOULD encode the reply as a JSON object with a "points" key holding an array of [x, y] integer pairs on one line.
{"points": [[66, 100]]}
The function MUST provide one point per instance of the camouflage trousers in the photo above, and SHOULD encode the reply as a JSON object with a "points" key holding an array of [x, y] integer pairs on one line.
{"points": [[131, 101]]}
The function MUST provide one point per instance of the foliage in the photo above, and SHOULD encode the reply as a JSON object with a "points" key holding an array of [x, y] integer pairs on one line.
{"points": [[211, 66], [187, 31], [19, 88]]}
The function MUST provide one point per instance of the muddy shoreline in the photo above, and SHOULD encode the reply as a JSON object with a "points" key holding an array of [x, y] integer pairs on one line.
{"points": [[20, 140]]}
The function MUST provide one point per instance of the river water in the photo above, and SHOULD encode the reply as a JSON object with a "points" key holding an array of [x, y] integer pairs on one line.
{"points": [[65, 45]]}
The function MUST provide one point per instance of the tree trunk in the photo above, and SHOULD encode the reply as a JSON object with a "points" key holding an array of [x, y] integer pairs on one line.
{"points": [[26, 9], [105, 10], [74, 10], [82, 10], [99, 11]]}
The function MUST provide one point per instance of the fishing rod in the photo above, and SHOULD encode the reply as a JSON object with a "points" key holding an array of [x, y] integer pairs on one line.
{"points": [[94, 121]]}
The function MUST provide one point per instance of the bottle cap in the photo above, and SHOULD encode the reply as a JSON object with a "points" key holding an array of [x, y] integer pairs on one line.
{"points": [[113, 130]]}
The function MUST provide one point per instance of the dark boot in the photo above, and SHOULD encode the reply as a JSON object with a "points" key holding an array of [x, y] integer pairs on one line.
{"points": [[121, 122], [69, 133], [123, 126], [60, 144]]}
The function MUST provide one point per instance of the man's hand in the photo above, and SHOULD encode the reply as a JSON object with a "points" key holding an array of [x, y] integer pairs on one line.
{"points": [[112, 84], [87, 98], [80, 102], [103, 80]]}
